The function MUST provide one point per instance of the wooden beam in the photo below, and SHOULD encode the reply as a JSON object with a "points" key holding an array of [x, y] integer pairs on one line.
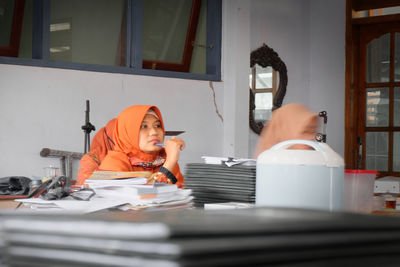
{"points": [[359, 5]]}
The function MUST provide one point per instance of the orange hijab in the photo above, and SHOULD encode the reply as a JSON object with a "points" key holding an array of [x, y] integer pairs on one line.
{"points": [[101, 143], [126, 155], [292, 121]]}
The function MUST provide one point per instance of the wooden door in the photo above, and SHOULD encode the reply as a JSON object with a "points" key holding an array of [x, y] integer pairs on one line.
{"points": [[378, 99]]}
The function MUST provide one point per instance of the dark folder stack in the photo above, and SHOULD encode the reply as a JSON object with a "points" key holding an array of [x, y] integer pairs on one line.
{"points": [[242, 237], [216, 183]]}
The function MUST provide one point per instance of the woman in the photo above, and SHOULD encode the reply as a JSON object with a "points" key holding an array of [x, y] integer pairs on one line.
{"points": [[292, 121], [101, 144], [137, 134]]}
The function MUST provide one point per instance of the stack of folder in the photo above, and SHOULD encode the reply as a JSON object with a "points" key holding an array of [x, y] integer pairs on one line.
{"points": [[216, 183], [243, 237]]}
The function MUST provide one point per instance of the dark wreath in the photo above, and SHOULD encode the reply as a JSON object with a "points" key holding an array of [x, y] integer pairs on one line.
{"points": [[265, 57]]}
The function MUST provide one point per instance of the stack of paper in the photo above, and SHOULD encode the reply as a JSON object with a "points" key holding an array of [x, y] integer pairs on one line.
{"points": [[115, 190], [214, 183], [131, 189], [238, 237], [139, 195]]}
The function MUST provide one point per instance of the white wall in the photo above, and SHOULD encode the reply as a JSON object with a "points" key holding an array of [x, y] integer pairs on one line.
{"points": [[44, 107], [309, 36], [327, 66], [236, 47]]}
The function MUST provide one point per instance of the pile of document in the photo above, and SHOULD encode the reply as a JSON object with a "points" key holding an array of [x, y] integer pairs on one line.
{"points": [[221, 181], [177, 238], [106, 192], [138, 195]]}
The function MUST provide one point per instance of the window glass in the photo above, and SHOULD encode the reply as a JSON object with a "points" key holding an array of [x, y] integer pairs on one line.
{"points": [[378, 59], [165, 24], [396, 151], [198, 64], [391, 10], [377, 113], [88, 31], [16, 28], [396, 111], [377, 151], [25, 47], [6, 19], [376, 12], [166, 27], [397, 57]]}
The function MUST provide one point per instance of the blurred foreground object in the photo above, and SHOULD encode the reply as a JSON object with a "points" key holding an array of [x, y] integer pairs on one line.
{"points": [[292, 121], [300, 178]]}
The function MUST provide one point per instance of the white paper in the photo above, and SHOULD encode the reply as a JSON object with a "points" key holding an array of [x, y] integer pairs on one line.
{"points": [[227, 205], [94, 204]]}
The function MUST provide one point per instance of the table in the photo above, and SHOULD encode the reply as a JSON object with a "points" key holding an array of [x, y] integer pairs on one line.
{"points": [[7, 201]]}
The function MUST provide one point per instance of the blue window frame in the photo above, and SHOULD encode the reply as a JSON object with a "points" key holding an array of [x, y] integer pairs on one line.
{"points": [[134, 32]]}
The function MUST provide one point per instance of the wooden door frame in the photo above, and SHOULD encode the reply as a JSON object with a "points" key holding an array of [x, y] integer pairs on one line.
{"points": [[351, 82]]}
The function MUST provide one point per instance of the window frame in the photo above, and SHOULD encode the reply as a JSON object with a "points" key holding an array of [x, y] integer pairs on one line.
{"points": [[134, 65]]}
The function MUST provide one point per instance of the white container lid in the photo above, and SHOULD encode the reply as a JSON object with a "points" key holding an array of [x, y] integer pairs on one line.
{"points": [[280, 154]]}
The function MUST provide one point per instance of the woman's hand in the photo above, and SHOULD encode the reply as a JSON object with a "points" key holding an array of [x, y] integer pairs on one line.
{"points": [[173, 147]]}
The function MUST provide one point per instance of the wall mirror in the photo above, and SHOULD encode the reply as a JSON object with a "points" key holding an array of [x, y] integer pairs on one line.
{"points": [[268, 81]]}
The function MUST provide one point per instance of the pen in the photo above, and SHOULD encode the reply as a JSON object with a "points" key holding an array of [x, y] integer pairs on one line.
{"points": [[159, 144]]}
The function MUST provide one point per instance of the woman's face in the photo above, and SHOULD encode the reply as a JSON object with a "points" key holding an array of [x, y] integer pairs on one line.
{"points": [[151, 132]]}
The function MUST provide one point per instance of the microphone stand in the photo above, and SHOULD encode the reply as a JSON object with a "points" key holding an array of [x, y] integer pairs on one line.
{"points": [[87, 128]]}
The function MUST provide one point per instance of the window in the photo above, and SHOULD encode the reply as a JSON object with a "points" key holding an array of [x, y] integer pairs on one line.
{"points": [[87, 31], [176, 38]]}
